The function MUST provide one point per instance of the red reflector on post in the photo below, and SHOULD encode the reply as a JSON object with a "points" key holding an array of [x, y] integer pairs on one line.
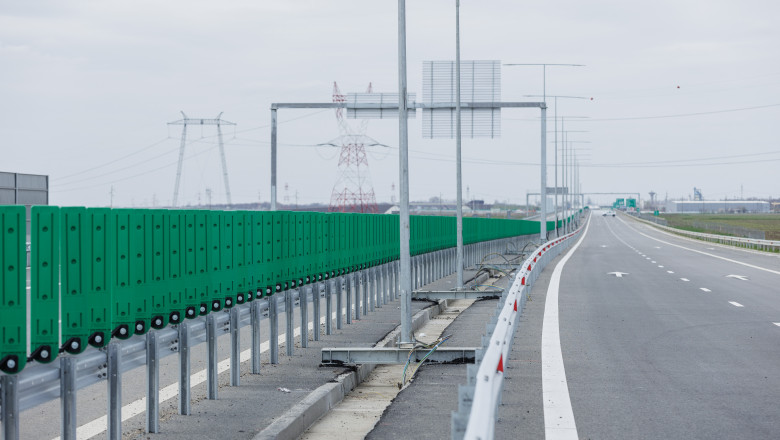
{"points": [[500, 367], [515, 305]]}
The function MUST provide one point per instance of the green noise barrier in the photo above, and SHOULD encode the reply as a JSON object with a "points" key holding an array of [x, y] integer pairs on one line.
{"points": [[113, 273]]}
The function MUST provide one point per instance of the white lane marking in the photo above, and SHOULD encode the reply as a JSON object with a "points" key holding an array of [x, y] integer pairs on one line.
{"points": [[658, 247], [559, 421], [735, 304], [660, 266], [132, 409], [617, 274], [704, 289], [704, 253], [739, 277], [776, 323], [647, 258], [669, 271], [603, 245], [653, 262], [710, 249], [685, 279]]}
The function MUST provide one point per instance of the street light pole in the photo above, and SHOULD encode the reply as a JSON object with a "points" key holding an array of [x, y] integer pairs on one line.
{"points": [[459, 191], [403, 159]]}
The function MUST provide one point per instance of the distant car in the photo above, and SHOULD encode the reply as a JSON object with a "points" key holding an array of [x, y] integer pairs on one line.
{"points": [[612, 213]]}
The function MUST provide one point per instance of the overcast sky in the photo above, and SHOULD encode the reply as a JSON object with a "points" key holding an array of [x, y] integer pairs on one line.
{"points": [[87, 88]]}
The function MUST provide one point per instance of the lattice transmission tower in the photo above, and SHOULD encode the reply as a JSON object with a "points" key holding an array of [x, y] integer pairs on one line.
{"points": [[184, 122], [353, 190]]}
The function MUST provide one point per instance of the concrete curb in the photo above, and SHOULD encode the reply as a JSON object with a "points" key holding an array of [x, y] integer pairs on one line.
{"points": [[300, 417]]}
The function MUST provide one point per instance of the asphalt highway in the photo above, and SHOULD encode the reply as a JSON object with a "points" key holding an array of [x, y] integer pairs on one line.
{"points": [[664, 337]]}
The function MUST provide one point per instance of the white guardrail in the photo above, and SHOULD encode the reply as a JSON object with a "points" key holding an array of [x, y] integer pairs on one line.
{"points": [[750, 243], [480, 398]]}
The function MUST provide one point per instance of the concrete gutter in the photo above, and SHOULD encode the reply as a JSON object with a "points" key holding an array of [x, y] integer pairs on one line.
{"points": [[300, 417]]}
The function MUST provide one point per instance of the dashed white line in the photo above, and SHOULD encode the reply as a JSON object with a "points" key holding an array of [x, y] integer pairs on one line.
{"points": [[653, 262], [704, 289], [661, 266], [776, 323], [685, 279], [669, 271], [735, 304]]}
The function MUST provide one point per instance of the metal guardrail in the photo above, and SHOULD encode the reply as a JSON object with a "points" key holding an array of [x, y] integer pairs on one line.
{"points": [[480, 398], [357, 292], [750, 243]]}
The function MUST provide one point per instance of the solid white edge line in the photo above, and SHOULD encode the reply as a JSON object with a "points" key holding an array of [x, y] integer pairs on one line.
{"points": [[702, 252], [559, 421], [735, 304]]}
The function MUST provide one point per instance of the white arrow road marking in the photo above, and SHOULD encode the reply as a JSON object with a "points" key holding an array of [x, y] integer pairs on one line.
{"points": [[669, 271], [739, 277], [735, 304], [617, 274], [704, 289], [685, 279]]}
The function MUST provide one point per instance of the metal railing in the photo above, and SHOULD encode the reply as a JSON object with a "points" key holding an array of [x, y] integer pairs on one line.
{"points": [[355, 293], [750, 243], [480, 398]]}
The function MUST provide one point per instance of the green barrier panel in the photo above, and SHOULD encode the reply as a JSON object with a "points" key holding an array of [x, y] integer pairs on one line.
{"points": [[197, 294], [297, 231], [13, 313], [242, 257], [87, 273], [162, 290], [131, 309], [44, 283], [213, 263], [174, 224], [226, 244]]}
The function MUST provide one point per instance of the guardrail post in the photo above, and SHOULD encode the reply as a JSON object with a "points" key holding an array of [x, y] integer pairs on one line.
{"points": [[273, 324], [339, 303], [303, 298], [152, 384], [380, 286], [114, 376], [356, 278], [184, 369], [315, 297], [348, 283], [67, 397], [9, 398], [235, 348], [329, 306], [254, 322], [396, 287], [289, 305], [363, 275], [371, 289], [212, 376]]}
